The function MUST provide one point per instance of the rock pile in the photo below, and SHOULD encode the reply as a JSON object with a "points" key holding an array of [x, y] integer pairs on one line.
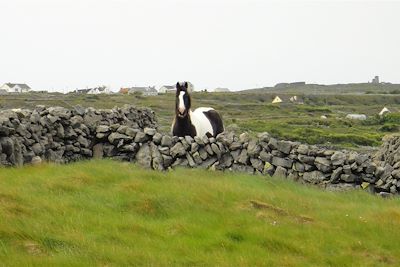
{"points": [[388, 161], [62, 135]]}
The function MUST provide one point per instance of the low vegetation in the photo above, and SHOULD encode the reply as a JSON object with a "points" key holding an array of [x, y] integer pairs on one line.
{"points": [[106, 213], [254, 112]]}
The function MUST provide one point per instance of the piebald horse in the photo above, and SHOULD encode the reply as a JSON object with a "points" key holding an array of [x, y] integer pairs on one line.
{"points": [[202, 121]]}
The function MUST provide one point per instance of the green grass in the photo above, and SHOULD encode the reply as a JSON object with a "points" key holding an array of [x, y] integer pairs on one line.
{"points": [[105, 213], [253, 112]]}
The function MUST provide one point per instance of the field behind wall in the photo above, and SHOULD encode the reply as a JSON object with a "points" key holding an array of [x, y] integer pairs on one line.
{"points": [[252, 111]]}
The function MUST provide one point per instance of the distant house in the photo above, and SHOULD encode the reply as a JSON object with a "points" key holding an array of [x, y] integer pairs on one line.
{"points": [[99, 90], [145, 91], [276, 100], [165, 89], [93, 91], [15, 87], [221, 90], [384, 111]]}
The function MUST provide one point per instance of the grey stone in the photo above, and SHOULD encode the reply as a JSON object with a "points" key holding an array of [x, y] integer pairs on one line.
{"points": [[216, 150], [164, 150], [338, 158], [190, 160], [36, 160], [194, 147], [306, 159], [264, 156], [273, 143], [149, 131], [143, 156], [347, 169], [244, 137], [178, 150], [284, 146], [263, 137], [235, 146], [197, 158], [302, 149], [167, 160], [336, 174], [280, 172], [115, 137], [36, 148], [157, 162], [208, 162], [98, 151], [209, 149], [83, 141], [205, 140], [257, 164], [348, 178], [166, 141], [314, 177], [226, 160], [286, 163], [203, 153], [131, 132], [396, 174], [299, 167], [199, 140], [253, 149], [243, 157], [141, 137], [323, 164], [157, 138]]}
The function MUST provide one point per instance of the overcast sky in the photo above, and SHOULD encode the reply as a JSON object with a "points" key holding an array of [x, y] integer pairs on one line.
{"points": [[68, 44]]}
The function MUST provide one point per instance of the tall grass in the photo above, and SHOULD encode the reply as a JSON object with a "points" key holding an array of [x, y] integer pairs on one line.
{"points": [[105, 213]]}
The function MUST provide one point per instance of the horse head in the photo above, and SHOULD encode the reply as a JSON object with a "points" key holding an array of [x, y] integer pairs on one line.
{"points": [[182, 100]]}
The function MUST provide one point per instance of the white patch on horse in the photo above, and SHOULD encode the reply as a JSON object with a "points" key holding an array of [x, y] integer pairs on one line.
{"points": [[181, 106], [201, 122]]}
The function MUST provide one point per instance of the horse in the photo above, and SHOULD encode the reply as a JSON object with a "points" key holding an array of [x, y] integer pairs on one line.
{"points": [[202, 121]]}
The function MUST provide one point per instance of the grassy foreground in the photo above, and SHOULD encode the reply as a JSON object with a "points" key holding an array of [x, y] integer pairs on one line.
{"points": [[105, 213]]}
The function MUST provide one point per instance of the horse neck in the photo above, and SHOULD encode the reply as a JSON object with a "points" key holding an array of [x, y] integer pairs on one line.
{"points": [[184, 122]]}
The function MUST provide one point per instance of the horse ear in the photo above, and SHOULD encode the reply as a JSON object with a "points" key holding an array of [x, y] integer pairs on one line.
{"points": [[178, 86], [186, 85]]}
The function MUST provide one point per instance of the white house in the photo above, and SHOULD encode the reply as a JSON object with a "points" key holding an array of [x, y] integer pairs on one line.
{"points": [[99, 90], [15, 87], [167, 89], [221, 90]]}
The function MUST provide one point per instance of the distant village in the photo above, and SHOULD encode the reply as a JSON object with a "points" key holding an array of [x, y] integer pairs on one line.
{"points": [[18, 88]]}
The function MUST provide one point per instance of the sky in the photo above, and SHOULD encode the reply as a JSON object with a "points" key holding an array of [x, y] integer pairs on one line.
{"points": [[61, 45]]}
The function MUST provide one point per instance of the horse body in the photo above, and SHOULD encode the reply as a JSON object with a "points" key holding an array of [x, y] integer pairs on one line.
{"points": [[202, 121]]}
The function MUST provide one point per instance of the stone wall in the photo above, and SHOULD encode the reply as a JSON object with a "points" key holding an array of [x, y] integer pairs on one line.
{"points": [[61, 135]]}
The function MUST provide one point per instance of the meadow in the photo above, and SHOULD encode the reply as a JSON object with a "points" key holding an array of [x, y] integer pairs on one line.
{"points": [[252, 111], [108, 213]]}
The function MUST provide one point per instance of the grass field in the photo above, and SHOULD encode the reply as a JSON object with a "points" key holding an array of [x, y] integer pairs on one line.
{"points": [[105, 213], [254, 112]]}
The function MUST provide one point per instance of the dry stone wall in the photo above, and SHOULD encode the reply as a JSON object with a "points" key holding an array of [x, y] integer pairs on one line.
{"points": [[62, 135]]}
